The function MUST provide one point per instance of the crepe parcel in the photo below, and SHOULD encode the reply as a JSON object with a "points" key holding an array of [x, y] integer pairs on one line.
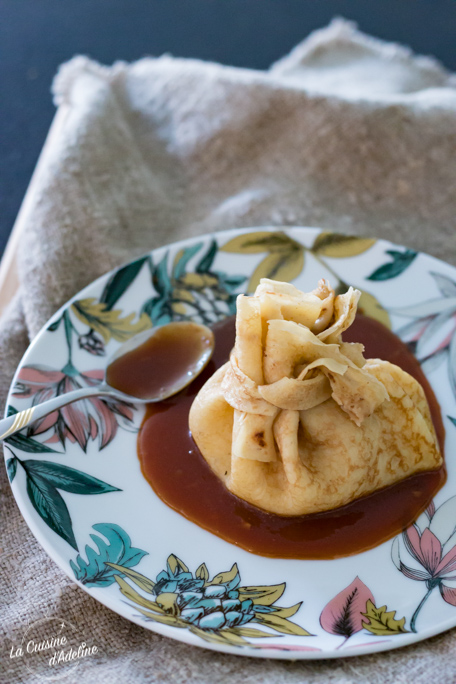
{"points": [[297, 421]]}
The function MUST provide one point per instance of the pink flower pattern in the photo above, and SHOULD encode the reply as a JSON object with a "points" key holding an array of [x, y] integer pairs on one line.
{"points": [[426, 547], [79, 422], [427, 550]]}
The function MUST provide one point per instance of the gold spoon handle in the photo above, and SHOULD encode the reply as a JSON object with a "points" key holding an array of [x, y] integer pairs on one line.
{"points": [[21, 420]]}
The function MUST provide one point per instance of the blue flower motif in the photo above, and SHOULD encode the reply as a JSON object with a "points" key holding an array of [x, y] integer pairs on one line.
{"points": [[216, 609]]}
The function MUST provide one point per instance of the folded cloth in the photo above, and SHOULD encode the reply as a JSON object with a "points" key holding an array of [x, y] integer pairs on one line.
{"points": [[346, 132]]}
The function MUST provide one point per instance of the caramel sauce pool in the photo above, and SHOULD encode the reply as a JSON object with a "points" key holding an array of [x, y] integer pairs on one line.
{"points": [[176, 470]]}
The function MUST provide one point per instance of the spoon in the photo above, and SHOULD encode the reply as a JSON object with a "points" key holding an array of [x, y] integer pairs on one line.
{"points": [[150, 367]]}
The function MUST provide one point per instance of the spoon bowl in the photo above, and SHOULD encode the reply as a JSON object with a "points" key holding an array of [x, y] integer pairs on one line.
{"points": [[160, 362], [151, 366]]}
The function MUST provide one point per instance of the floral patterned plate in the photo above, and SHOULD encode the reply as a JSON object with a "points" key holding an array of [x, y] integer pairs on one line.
{"points": [[78, 483]]}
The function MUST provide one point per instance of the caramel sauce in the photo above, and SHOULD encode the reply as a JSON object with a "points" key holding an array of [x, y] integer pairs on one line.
{"points": [[178, 473], [164, 361]]}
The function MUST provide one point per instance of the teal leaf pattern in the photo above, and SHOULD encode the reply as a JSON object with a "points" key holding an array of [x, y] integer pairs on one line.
{"points": [[206, 262], [160, 279], [67, 479], [51, 507], [29, 445], [11, 467], [120, 281], [44, 479], [95, 572], [55, 325], [400, 262], [181, 263]]}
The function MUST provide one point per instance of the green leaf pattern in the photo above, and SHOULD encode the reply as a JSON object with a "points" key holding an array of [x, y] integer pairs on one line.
{"points": [[112, 558], [50, 506], [11, 467], [44, 479], [120, 281], [67, 479], [392, 269]]}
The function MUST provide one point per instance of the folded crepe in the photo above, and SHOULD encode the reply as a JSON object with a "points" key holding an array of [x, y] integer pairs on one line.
{"points": [[297, 421]]}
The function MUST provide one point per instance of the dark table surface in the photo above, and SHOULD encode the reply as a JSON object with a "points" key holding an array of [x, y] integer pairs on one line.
{"points": [[38, 35]]}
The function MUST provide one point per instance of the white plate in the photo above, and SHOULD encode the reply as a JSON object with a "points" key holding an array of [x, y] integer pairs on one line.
{"points": [[87, 449]]}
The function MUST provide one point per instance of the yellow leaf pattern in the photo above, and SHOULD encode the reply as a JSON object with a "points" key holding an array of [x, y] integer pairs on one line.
{"points": [[109, 323], [262, 595], [382, 622], [260, 241], [283, 625], [285, 266], [223, 577], [136, 597], [252, 632], [140, 580], [168, 602], [202, 573], [338, 246], [288, 612], [175, 563], [164, 619], [285, 259], [198, 281]]}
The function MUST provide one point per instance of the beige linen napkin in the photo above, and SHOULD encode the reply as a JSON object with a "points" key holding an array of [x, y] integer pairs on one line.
{"points": [[346, 132]]}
